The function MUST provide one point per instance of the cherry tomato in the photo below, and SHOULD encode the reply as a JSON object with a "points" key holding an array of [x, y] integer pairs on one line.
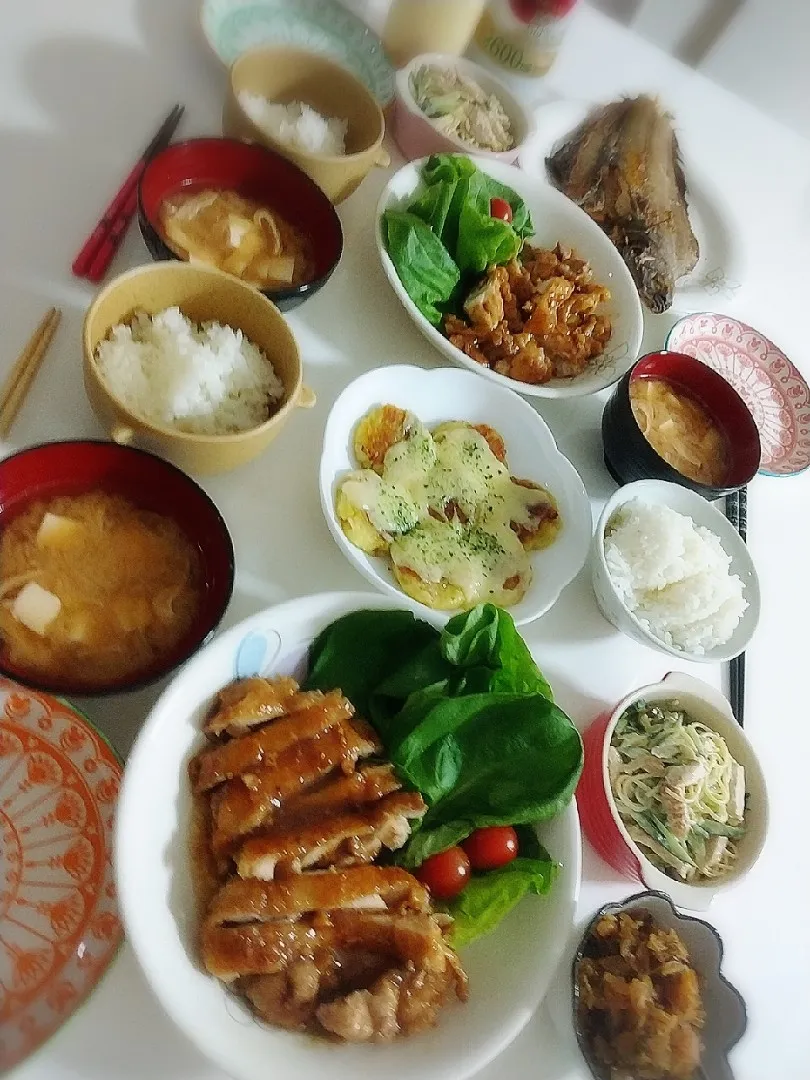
{"points": [[489, 848], [500, 208], [445, 874]]}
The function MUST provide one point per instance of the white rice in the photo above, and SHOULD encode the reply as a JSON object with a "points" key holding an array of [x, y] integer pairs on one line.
{"points": [[208, 380], [297, 124], [673, 576]]}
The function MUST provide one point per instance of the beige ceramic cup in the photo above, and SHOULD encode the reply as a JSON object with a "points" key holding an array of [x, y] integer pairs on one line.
{"points": [[203, 294], [285, 75]]}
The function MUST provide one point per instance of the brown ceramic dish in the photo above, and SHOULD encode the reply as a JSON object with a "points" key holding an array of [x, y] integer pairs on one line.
{"points": [[202, 294], [284, 75]]}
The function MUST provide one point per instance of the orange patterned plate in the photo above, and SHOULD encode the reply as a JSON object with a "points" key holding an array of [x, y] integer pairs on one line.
{"points": [[59, 926]]}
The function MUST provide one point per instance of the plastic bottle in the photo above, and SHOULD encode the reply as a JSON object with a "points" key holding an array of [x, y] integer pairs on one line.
{"points": [[522, 37]]}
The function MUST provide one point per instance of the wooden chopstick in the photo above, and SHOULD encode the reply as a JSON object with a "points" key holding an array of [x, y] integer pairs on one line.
{"points": [[25, 370]]}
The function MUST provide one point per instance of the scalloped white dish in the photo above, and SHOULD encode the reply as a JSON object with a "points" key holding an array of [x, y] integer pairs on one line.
{"points": [[510, 970], [444, 394], [556, 220]]}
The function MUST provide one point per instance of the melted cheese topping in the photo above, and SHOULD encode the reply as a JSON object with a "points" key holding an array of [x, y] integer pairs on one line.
{"points": [[450, 510]]}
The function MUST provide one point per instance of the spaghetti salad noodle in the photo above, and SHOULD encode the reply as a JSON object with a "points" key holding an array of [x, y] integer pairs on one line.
{"points": [[678, 790]]}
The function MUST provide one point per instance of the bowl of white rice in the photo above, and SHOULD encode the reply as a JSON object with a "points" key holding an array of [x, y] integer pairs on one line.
{"points": [[192, 364], [311, 110], [670, 571]]}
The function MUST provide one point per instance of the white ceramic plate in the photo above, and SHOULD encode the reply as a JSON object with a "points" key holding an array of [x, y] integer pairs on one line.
{"points": [[509, 971], [444, 394], [556, 219], [720, 269]]}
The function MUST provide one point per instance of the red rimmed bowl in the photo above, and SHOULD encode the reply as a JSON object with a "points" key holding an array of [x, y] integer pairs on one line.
{"points": [[600, 819], [628, 454], [74, 467], [254, 172]]}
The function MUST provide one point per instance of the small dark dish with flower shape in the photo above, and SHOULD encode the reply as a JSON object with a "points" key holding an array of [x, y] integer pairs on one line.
{"points": [[684, 1016], [672, 410]]}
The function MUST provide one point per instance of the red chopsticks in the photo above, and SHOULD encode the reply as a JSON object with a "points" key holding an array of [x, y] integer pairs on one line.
{"points": [[95, 257]]}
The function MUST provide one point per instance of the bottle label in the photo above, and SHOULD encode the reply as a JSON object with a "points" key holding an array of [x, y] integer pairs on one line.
{"points": [[520, 37]]}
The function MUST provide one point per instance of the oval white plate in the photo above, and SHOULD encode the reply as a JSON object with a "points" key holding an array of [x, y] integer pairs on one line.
{"points": [[509, 971], [444, 394], [720, 269], [556, 220]]}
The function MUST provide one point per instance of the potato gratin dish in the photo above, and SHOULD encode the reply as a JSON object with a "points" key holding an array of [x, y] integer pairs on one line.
{"points": [[442, 506], [290, 817]]}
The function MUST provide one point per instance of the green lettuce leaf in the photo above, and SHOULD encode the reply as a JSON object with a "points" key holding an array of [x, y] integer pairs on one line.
{"points": [[489, 897], [466, 717], [446, 233], [423, 264]]}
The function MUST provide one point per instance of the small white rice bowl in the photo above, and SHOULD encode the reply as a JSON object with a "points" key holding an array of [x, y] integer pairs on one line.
{"points": [[202, 379], [673, 576]]}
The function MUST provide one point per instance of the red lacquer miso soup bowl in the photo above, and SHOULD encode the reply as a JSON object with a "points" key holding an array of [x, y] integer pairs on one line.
{"points": [[254, 172], [628, 454], [149, 483], [600, 817]]}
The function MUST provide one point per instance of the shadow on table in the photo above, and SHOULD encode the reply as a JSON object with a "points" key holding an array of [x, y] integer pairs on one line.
{"points": [[122, 1032]]}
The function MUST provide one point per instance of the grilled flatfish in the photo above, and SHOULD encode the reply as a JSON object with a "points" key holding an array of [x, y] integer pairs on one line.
{"points": [[622, 166]]}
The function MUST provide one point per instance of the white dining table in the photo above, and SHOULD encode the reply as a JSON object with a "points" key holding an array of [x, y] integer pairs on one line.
{"points": [[82, 85]]}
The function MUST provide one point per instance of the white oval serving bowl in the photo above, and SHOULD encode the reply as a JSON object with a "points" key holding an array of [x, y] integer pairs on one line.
{"points": [[556, 220], [417, 134], [602, 823], [444, 394], [510, 970], [690, 504]]}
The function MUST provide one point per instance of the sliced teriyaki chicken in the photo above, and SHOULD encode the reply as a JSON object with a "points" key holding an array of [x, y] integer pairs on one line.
{"points": [[241, 805], [312, 934], [343, 840], [230, 952], [250, 702], [362, 887], [404, 974], [214, 765], [403, 1001], [368, 784]]}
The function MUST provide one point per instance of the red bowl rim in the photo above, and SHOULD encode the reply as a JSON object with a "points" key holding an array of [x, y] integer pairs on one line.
{"points": [[209, 628], [215, 141]]}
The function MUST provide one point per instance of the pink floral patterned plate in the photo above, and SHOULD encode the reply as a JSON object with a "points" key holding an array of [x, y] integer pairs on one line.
{"points": [[59, 925], [771, 386]]}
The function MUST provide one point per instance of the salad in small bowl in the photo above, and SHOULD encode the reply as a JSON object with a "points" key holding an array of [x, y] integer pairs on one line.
{"points": [[507, 277]]}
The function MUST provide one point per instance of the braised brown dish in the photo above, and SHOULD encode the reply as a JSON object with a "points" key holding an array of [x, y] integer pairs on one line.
{"points": [[639, 1005]]}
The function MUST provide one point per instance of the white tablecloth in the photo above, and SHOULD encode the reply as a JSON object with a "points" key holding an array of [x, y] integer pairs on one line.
{"points": [[82, 85]]}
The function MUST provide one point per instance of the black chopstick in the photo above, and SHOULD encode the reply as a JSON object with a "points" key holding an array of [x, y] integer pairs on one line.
{"points": [[737, 514]]}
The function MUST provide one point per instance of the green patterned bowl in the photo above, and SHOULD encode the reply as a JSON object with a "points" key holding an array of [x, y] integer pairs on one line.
{"points": [[321, 26]]}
